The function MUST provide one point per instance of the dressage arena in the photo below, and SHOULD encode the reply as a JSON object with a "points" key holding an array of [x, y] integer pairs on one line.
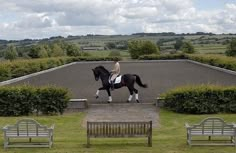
{"points": [[160, 76]]}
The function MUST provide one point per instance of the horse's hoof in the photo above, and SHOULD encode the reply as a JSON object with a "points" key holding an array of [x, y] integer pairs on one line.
{"points": [[108, 102], [137, 101], [127, 101], [96, 97]]}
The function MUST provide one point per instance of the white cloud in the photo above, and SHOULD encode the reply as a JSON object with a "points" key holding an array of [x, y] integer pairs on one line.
{"points": [[43, 18]]}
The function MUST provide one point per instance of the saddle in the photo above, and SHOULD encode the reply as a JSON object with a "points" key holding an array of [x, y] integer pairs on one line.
{"points": [[116, 80]]}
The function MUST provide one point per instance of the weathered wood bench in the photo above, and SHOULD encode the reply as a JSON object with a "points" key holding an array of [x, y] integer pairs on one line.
{"points": [[119, 130], [212, 127], [28, 128]]}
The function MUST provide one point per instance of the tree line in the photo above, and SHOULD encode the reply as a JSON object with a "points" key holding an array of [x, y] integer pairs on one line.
{"points": [[42, 50]]}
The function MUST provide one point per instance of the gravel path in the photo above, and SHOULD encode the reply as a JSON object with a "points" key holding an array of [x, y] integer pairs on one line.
{"points": [[122, 112]]}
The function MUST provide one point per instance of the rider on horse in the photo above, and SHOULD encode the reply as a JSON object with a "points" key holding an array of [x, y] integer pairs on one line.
{"points": [[115, 72]]}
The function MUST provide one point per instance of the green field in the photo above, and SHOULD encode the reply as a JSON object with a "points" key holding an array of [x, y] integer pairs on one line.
{"points": [[169, 137], [210, 48]]}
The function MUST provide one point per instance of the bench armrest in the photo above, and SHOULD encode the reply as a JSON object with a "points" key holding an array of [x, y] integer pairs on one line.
{"points": [[5, 127], [187, 125], [234, 125], [52, 126]]}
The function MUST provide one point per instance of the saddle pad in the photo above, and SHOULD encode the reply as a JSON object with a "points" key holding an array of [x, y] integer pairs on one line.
{"points": [[118, 79]]}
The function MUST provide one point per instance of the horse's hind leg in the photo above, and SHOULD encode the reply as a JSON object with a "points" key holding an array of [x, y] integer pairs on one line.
{"points": [[136, 95]]}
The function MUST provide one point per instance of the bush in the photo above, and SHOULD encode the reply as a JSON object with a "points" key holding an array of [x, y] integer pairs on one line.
{"points": [[204, 99], [187, 47], [11, 53], [216, 60], [5, 71], [163, 57], [114, 53], [138, 48], [231, 50], [24, 100]]}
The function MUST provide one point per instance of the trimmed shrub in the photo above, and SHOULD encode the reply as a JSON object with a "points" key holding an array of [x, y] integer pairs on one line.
{"points": [[24, 100], [215, 60], [163, 57], [114, 53], [203, 99]]}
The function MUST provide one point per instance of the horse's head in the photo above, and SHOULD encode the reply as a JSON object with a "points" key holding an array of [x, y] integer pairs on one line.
{"points": [[100, 71], [96, 73]]}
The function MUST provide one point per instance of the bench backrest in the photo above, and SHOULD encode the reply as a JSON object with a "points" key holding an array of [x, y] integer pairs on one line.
{"points": [[213, 125], [27, 127], [119, 129]]}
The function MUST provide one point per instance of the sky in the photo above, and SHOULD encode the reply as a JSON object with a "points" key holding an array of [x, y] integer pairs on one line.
{"points": [[36, 19]]}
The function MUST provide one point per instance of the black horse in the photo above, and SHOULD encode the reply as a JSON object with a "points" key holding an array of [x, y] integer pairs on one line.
{"points": [[127, 80]]}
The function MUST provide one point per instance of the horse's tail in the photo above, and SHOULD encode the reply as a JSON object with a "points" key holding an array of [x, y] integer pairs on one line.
{"points": [[139, 82]]}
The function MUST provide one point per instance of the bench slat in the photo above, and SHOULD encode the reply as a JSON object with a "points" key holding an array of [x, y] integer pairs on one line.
{"points": [[118, 129]]}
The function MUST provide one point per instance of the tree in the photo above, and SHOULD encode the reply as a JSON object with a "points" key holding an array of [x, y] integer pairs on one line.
{"points": [[148, 48], [11, 53], [187, 47], [72, 50], [134, 48], [178, 44], [56, 50], [38, 51], [231, 49], [138, 47], [111, 45]]}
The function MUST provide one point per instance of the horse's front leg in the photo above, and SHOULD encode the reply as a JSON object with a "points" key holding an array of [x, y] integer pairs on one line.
{"points": [[97, 93], [109, 95]]}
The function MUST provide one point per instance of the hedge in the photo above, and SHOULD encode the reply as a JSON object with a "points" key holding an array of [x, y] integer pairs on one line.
{"points": [[203, 99], [10, 70], [26, 100], [163, 57], [215, 60]]}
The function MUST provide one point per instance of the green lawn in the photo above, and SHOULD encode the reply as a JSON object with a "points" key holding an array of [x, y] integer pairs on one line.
{"points": [[70, 136]]}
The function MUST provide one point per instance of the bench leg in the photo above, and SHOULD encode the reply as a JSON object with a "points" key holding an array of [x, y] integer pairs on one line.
{"points": [[150, 141], [6, 142], [209, 138], [88, 142]]}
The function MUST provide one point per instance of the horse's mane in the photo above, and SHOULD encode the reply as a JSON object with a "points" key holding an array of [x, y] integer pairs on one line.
{"points": [[103, 68]]}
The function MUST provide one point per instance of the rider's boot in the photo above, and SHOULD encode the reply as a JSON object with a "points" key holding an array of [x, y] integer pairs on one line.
{"points": [[112, 85]]}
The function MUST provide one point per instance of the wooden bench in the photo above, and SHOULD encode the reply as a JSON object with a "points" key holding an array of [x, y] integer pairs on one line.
{"points": [[212, 127], [28, 128], [119, 130]]}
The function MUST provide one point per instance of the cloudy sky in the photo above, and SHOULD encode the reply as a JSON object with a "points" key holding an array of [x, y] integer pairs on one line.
{"points": [[20, 19]]}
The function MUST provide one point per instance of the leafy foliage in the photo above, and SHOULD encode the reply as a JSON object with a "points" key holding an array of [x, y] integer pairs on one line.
{"points": [[231, 50], [204, 99], [187, 47], [162, 57], [215, 60], [11, 53], [114, 53], [24, 100], [138, 48]]}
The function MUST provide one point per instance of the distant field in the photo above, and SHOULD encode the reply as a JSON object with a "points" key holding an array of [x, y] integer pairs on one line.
{"points": [[211, 48]]}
